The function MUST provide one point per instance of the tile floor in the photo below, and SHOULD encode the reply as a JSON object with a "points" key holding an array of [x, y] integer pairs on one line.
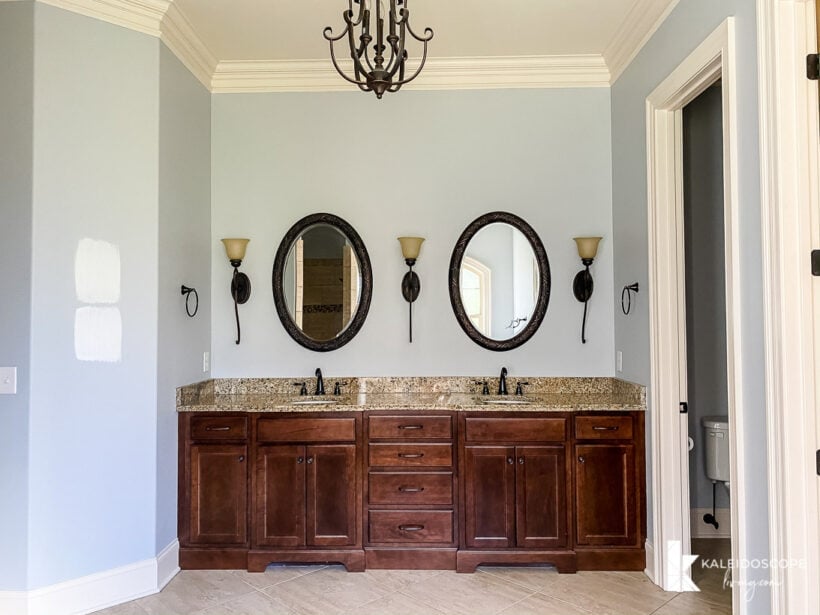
{"points": [[330, 590]]}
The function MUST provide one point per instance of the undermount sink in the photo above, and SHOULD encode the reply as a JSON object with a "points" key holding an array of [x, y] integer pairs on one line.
{"points": [[313, 402], [504, 401]]}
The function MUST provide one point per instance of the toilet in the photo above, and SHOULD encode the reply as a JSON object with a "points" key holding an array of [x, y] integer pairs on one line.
{"points": [[716, 438]]}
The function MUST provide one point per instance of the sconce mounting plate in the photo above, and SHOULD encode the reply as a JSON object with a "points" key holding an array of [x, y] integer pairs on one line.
{"points": [[582, 285], [410, 286], [240, 287]]}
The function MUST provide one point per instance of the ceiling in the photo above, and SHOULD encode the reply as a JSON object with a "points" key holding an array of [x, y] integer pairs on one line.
{"points": [[265, 30]]}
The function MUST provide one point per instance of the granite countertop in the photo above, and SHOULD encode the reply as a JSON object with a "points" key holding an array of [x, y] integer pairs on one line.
{"points": [[459, 393]]}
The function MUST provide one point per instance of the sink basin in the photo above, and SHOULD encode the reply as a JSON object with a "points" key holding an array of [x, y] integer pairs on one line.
{"points": [[313, 402], [504, 401]]}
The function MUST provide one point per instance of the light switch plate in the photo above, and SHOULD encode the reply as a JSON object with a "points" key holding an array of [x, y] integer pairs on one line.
{"points": [[619, 360], [206, 361], [8, 381]]}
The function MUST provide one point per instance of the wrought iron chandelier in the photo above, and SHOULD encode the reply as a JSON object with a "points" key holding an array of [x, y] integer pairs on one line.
{"points": [[372, 71]]}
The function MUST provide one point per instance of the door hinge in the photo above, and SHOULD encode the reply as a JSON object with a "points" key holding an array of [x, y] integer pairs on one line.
{"points": [[815, 262], [684, 408], [813, 66], [818, 462]]}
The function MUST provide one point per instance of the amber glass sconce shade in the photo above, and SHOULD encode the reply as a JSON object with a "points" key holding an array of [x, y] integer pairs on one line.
{"points": [[240, 283]]}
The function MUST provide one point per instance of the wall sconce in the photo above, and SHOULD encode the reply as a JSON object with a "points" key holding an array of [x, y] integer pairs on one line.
{"points": [[410, 284], [582, 284], [240, 283]]}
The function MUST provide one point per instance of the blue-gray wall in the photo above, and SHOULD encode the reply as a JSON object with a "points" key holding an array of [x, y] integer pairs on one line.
{"points": [[420, 163], [184, 258], [92, 468], [16, 94], [689, 24], [705, 282]]}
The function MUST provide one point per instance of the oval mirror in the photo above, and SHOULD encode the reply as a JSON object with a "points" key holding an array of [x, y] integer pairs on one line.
{"points": [[499, 281], [322, 282]]}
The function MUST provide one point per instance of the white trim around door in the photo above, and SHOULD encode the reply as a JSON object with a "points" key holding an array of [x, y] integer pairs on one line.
{"points": [[712, 60], [790, 182]]}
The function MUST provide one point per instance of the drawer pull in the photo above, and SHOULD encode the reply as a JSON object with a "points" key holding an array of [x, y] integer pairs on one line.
{"points": [[217, 429], [411, 528], [411, 426], [404, 489], [410, 455], [603, 428]]}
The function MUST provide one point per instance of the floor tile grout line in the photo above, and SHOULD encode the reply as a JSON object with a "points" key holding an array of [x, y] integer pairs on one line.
{"points": [[509, 606], [665, 603], [561, 600]]}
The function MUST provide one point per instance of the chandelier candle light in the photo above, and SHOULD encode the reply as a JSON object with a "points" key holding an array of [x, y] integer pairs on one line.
{"points": [[372, 72]]}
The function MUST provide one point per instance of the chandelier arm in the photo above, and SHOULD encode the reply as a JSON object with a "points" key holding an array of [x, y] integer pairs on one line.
{"points": [[348, 15], [428, 34], [418, 70], [339, 69], [401, 53]]}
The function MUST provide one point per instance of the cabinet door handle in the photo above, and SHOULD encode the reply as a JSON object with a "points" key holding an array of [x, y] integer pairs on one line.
{"points": [[510, 460], [411, 528], [603, 428], [410, 455], [300, 460], [217, 429], [411, 489], [310, 460], [241, 458], [582, 459], [411, 426], [521, 461]]}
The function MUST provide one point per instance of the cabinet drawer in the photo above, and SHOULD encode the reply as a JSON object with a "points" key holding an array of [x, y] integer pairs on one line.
{"points": [[603, 427], [398, 526], [411, 455], [516, 430], [219, 427], [410, 427], [420, 488], [306, 430]]}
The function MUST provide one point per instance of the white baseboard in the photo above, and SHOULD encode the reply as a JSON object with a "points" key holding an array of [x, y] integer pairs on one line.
{"points": [[650, 561], [96, 591], [13, 603], [699, 529], [167, 564]]}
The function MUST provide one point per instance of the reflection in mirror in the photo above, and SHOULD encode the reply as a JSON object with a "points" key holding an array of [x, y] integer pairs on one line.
{"points": [[499, 281], [322, 282]]}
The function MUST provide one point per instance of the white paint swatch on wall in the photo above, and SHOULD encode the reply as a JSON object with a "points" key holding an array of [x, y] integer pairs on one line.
{"points": [[97, 271], [98, 334]]}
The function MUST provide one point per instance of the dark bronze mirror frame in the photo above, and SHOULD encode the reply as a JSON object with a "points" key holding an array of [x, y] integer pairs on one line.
{"points": [[279, 270], [544, 283]]}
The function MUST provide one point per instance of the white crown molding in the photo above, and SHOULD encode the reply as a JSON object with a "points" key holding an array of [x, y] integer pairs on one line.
{"points": [[97, 591], [642, 21], [475, 73], [179, 35], [141, 15]]}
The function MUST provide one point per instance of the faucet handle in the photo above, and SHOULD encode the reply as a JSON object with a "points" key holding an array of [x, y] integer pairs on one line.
{"points": [[303, 389], [337, 387], [519, 387], [485, 387]]}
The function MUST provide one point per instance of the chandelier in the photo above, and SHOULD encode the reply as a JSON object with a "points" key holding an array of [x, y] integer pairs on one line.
{"points": [[372, 71]]}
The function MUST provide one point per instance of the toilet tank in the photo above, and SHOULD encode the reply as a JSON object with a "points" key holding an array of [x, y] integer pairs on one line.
{"points": [[716, 445]]}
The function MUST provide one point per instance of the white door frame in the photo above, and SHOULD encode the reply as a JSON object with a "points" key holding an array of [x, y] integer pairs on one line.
{"points": [[712, 60], [791, 227]]}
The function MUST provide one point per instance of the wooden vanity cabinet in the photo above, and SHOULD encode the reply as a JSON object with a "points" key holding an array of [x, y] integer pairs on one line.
{"points": [[213, 491]]}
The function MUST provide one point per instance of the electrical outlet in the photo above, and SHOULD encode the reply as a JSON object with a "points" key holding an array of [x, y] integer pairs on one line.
{"points": [[619, 361], [206, 361], [8, 381]]}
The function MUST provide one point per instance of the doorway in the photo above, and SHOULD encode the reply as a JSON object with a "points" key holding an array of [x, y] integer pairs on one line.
{"points": [[710, 63], [705, 322]]}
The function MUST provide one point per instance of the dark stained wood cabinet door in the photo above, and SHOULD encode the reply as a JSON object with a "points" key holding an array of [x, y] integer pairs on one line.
{"points": [[280, 496], [219, 494], [605, 495], [541, 497], [489, 496], [331, 495]]}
